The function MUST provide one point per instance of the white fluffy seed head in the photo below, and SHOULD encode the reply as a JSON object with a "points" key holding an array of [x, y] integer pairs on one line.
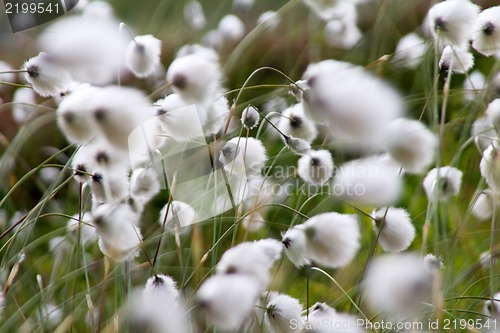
{"points": [[142, 56], [442, 183], [297, 145], [394, 227], [483, 206], [411, 144], [87, 231], [451, 22], [144, 184], [294, 123], [231, 28], [295, 246], [432, 263], [486, 31], [332, 239], [269, 19], [316, 167], [281, 310], [490, 167], [321, 314], [6, 77], [342, 34], [24, 105], [161, 286], [250, 117], [410, 51], [457, 60], [194, 15], [46, 76], [492, 307], [474, 85], [243, 155], [180, 214], [227, 300], [483, 132], [493, 113]]}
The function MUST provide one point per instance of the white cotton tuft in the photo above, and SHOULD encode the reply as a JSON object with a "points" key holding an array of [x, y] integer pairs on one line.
{"points": [[295, 243], [332, 239], [243, 4], [483, 207], [24, 105], [457, 60], [142, 56], [492, 309], [180, 214], [119, 238], [490, 167], [144, 184], [161, 286], [294, 123], [199, 50], [474, 85], [6, 77], [46, 76], [250, 117], [281, 312], [493, 113], [270, 20], [410, 143], [227, 300], [241, 154], [410, 51], [297, 145], [316, 167], [86, 230], [397, 284], [231, 28], [374, 180], [486, 33], [483, 132], [342, 34], [432, 263], [325, 319], [394, 227], [451, 22], [194, 15], [442, 183]]}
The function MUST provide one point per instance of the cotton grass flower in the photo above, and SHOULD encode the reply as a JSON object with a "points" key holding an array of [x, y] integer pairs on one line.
{"points": [[411, 144], [490, 167], [492, 307], [325, 319], [250, 117], [486, 34], [144, 184], [474, 85], [493, 113], [194, 15], [243, 154], [82, 228], [394, 227], [269, 19], [180, 215], [142, 56], [294, 123], [6, 77], [231, 28], [457, 60], [482, 208], [483, 132], [410, 51], [24, 105], [316, 167], [297, 145], [295, 247], [452, 21], [342, 34], [46, 76], [442, 183], [281, 311]]}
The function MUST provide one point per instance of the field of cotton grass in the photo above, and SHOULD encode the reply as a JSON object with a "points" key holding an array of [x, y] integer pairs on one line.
{"points": [[252, 166]]}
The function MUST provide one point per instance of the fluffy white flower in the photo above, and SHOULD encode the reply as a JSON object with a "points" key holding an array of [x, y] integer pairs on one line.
{"points": [[6, 77], [24, 105], [455, 59], [294, 123], [490, 167], [482, 208], [493, 113], [295, 243], [231, 28], [485, 260], [241, 154], [161, 286], [332, 9], [270, 19], [119, 238], [442, 183], [410, 51], [99, 10], [483, 132], [473, 85], [194, 15], [372, 180], [250, 117], [316, 167], [432, 263], [142, 56], [342, 34], [108, 187], [321, 314], [227, 300], [332, 239], [492, 307], [281, 311], [394, 227], [243, 4], [144, 184], [452, 21], [217, 114], [411, 144], [46, 76], [179, 213], [397, 284], [486, 33], [87, 231], [200, 50], [297, 145]]}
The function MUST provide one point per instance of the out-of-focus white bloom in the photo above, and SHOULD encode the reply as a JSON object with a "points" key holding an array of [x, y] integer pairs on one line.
{"points": [[493, 113], [108, 187], [316, 167], [455, 59], [394, 227], [180, 214], [342, 34], [87, 231], [442, 183], [161, 286], [410, 51], [59, 246], [24, 105], [243, 4], [485, 260], [252, 259], [297, 145], [142, 56], [332, 239], [194, 15], [275, 104], [281, 312], [473, 85], [411, 144], [492, 307], [294, 123], [270, 20], [452, 21], [46, 76], [483, 132], [490, 167], [332, 9], [354, 103], [50, 314], [217, 114], [325, 319], [144, 184], [241, 154], [250, 117], [253, 221], [483, 207], [227, 300], [119, 238], [486, 33], [200, 50], [295, 243], [397, 284], [432, 263], [231, 28], [6, 77], [213, 39], [373, 181], [98, 10]]}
